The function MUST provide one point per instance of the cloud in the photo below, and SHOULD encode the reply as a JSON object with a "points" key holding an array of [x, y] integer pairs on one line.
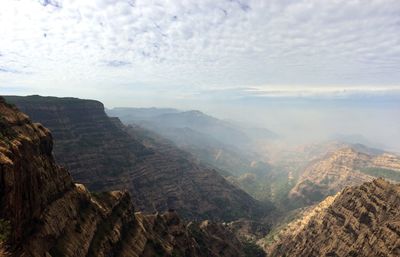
{"points": [[54, 3], [285, 92], [202, 44], [8, 70], [116, 63]]}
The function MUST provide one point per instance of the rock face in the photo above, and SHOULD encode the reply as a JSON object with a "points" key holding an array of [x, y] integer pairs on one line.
{"points": [[360, 221], [104, 155], [341, 168], [44, 213]]}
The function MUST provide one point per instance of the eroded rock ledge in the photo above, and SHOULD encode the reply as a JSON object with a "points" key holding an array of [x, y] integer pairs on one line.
{"points": [[360, 221]]}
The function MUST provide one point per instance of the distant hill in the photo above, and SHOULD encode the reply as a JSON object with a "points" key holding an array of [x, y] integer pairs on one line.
{"points": [[196, 120], [355, 139], [139, 113], [221, 144]]}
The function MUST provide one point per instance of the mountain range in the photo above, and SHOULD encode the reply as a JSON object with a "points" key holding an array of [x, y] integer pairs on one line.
{"points": [[82, 183], [103, 154], [224, 145], [45, 213]]}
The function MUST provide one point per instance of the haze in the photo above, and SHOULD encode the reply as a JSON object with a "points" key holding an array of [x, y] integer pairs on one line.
{"points": [[308, 70]]}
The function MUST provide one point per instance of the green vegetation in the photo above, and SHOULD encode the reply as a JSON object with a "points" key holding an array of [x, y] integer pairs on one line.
{"points": [[381, 172], [253, 250], [198, 235], [5, 230], [271, 189], [287, 218]]}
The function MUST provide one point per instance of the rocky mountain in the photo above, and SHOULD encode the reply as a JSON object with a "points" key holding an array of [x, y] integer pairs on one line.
{"points": [[104, 155], [343, 167], [44, 213], [359, 221]]}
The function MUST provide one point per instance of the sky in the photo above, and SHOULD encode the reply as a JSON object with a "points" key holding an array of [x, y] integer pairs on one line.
{"points": [[216, 55]]}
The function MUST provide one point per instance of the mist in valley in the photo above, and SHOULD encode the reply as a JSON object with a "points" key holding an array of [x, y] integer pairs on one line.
{"points": [[216, 128]]}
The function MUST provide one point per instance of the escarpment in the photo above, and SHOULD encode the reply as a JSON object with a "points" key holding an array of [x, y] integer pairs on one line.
{"points": [[86, 140], [44, 213], [360, 221], [332, 173], [103, 154]]}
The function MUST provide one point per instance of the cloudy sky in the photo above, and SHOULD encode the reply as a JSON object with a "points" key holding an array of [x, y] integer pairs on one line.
{"points": [[307, 67], [152, 52]]}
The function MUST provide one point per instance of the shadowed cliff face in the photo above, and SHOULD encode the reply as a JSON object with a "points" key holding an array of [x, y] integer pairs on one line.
{"points": [[49, 215], [102, 154], [360, 221], [29, 178]]}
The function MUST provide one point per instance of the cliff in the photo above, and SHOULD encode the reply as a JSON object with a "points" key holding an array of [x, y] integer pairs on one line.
{"points": [[44, 213], [340, 168], [359, 221], [103, 154]]}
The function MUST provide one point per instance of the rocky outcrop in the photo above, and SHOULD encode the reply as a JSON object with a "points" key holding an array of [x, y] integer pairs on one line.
{"points": [[338, 169], [360, 221], [44, 213], [103, 154], [387, 161]]}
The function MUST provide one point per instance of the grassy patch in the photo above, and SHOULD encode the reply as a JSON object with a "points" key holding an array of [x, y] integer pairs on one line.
{"points": [[381, 172]]}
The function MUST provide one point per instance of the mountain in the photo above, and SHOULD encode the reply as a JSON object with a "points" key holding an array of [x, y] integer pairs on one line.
{"points": [[166, 122], [44, 213], [355, 139], [105, 155], [224, 145], [343, 167], [359, 221], [134, 114]]}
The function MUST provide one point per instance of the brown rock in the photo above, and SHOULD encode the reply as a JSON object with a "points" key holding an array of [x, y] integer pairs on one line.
{"points": [[103, 154], [361, 221], [49, 215]]}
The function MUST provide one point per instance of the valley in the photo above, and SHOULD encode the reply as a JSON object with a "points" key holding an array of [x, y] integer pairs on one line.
{"points": [[101, 153], [145, 181], [45, 213], [219, 128]]}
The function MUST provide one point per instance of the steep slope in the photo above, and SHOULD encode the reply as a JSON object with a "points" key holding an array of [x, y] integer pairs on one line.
{"points": [[101, 154], [341, 168], [43, 213], [360, 221]]}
